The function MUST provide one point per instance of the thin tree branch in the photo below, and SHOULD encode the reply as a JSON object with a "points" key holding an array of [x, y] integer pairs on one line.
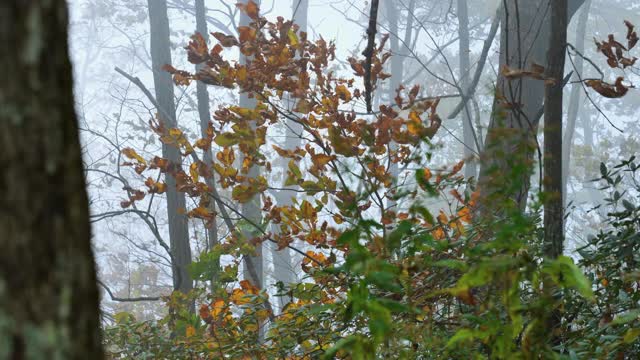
{"points": [[134, 299]]}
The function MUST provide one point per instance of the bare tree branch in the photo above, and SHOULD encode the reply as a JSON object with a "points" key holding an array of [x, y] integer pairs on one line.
{"points": [[134, 299]]}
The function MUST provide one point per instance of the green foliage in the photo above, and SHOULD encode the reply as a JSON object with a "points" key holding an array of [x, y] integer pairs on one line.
{"points": [[402, 283]]}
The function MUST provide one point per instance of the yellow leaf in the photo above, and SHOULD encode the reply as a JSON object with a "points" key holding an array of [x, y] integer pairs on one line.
{"points": [[191, 331], [443, 217], [320, 160], [293, 38], [176, 133], [193, 170], [465, 214], [217, 307], [414, 125], [241, 74], [308, 211], [239, 297], [343, 93], [132, 154]]}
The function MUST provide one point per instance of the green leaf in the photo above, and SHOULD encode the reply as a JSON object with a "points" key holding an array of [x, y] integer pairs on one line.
{"points": [[631, 335], [626, 317], [295, 169], [393, 306], [384, 280], [452, 264], [124, 317], [349, 237], [226, 139], [567, 274], [603, 170], [628, 205], [424, 183], [394, 240], [460, 336], [207, 266], [339, 345], [380, 322]]}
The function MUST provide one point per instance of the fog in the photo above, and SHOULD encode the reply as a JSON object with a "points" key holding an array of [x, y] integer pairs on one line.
{"points": [[132, 243]]}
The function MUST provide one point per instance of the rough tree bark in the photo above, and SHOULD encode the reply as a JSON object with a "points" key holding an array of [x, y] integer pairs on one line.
{"points": [[49, 300], [178, 227], [507, 159], [553, 209]]}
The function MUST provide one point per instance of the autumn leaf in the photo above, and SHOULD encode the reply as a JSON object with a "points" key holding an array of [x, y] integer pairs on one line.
{"points": [[293, 38], [248, 287], [197, 50], [307, 211], [343, 93], [250, 8], [225, 40], [132, 154], [246, 33], [226, 156], [217, 308], [155, 187], [159, 163], [193, 171], [190, 331], [427, 174], [226, 139], [457, 167], [321, 160], [608, 90]]}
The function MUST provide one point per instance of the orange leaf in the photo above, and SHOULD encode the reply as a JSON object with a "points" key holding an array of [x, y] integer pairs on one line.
{"points": [[132, 154], [190, 331], [457, 167], [343, 93], [250, 8]]}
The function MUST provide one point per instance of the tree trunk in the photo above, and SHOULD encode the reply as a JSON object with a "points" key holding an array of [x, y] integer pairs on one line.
{"points": [[506, 161], [574, 99], [397, 70], [553, 209], [49, 301], [467, 126], [178, 227], [253, 265], [204, 112], [283, 270]]}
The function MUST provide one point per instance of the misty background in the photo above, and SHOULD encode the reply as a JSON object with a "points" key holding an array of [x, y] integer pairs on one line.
{"points": [[434, 45]]}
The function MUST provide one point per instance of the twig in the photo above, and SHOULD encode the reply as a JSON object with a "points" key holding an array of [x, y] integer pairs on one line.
{"points": [[134, 299]]}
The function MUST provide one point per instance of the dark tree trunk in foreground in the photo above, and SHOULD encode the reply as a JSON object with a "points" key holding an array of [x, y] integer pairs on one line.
{"points": [[553, 209], [178, 227], [49, 301]]}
